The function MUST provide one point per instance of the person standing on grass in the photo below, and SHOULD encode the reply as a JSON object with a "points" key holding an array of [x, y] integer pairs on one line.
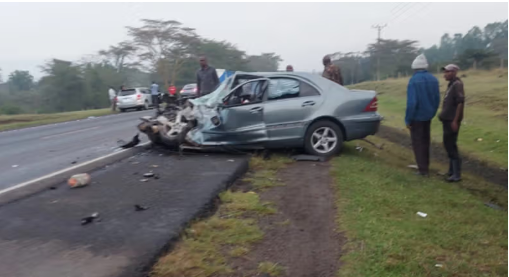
{"points": [[154, 92], [112, 95], [423, 99], [206, 78], [331, 71], [451, 117]]}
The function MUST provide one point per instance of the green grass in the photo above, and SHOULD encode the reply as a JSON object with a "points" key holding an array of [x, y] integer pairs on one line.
{"points": [[207, 245], [271, 268], [10, 122], [485, 112], [378, 198]]}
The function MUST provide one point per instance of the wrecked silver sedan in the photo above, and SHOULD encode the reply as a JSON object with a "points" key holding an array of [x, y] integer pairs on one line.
{"points": [[269, 110]]}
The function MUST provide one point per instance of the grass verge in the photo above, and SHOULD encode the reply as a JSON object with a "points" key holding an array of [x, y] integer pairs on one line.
{"points": [[378, 198], [10, 122], [207, 245], [485, 112]]}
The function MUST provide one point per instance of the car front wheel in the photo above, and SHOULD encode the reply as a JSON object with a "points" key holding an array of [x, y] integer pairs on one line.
{"points": [[323, 138]]}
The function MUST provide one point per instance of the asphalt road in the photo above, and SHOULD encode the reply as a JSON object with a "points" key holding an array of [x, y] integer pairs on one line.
{"points": [[33, 152]]}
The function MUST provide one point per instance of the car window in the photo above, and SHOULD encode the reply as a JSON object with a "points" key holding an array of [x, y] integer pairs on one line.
{"points": [[127, 92], [247, 93], [283, 88], [189, 86], [307, 90]]}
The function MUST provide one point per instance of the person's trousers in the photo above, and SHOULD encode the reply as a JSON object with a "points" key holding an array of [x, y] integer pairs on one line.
{"points": [[450, 140], [421, 138], [113, 104], [155, 100]]}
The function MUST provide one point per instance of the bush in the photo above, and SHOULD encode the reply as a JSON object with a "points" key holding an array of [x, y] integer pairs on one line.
{"points": [[10, 109]]}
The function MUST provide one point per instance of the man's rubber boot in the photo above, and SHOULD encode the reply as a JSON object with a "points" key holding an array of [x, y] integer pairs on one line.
{"points": [[449, 173], [456, 171]]}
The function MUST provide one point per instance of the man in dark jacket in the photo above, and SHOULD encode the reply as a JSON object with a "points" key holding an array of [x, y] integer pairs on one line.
{"points": [[206, 78], [451, 117], [423, 98]]}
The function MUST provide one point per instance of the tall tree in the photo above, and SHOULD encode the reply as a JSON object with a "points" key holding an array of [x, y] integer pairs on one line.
{"points": [[119, 54], [164, 47], [20, 80], [266, 62]]}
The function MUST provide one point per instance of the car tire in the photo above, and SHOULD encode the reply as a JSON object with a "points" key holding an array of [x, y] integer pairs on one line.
{"points": [[121, 110], [146, 105], [316, 144]]}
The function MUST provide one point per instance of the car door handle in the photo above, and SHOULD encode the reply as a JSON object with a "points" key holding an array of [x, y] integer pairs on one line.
{"points": [[308, 103], [256, 110]]}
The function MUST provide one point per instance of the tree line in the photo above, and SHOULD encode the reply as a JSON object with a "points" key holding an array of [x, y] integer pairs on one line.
{"points": [[477, 49], [165, 51]]}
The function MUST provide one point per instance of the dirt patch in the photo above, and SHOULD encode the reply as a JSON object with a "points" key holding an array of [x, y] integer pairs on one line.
{"points": [[492, 174], [302, 236]]}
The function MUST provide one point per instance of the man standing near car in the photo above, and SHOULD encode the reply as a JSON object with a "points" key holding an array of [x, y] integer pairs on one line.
{"points": [[423, 98], [331, 71], [154, 92], [451, 117], [206, 78], [112, 95]]}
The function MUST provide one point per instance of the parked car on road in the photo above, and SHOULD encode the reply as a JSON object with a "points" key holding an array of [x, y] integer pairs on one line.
{"points": [[270, 110], [134, 98], [189, 91]]}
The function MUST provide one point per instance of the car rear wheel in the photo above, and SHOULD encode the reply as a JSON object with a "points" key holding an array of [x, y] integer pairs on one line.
{"points": [[146, 106], [323, 138], [122, 110]]}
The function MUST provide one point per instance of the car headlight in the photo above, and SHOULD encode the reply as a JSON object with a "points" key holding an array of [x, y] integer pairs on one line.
{"points": [[215, 120]]}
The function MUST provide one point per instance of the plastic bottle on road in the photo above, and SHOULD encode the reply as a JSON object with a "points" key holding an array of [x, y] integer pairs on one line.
{"points": [[79, 180]]}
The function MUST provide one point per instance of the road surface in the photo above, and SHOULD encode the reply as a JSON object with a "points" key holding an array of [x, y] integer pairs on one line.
{"points": [[34, 152]]}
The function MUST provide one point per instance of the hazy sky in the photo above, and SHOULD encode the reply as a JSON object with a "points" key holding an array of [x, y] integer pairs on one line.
{"points": [[32, 33]]}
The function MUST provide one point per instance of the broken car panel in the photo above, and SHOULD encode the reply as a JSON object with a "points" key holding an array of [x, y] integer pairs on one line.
{"points": [[269, 110]]}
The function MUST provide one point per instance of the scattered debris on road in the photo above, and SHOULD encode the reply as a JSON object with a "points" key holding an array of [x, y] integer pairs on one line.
{"points": [[73, 162], [149, 174], [15, 165], [89, 219], [140, 208], [52, 188], [144, 180], [421, 214], [309, 158], [154, 165], [135, 141], [231, 161], [79, 180]]}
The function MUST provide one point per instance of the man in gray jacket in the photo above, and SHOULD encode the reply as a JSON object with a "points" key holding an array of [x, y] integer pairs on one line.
{"points": [[206, 78]]}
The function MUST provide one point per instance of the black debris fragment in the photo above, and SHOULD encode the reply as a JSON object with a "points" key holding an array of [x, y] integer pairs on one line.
{"points": [[52, 188], [135, 141], [156, 177], [140, 208], [74, 162], [89, 219], [308, 158]]}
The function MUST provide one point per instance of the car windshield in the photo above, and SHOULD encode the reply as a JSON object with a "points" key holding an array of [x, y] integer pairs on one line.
{"points": [[127, 92]]}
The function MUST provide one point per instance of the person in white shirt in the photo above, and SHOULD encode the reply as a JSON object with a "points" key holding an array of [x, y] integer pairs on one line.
{"points": [[112, 94]]}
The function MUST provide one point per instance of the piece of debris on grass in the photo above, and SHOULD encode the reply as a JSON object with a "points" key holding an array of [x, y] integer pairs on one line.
{"points": [[359, 148], [381, 146], [149, 174], [79, 180], [309, 158], [89, 219], [493, 206], [413, 166], [421, 214], [439, 265], [479, 139], [140, 208]]}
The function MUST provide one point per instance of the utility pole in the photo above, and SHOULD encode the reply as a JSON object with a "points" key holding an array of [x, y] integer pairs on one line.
{"points": [[379, 28]]}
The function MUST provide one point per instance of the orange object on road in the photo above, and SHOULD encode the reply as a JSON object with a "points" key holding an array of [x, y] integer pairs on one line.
{"points": [[79, 180]]}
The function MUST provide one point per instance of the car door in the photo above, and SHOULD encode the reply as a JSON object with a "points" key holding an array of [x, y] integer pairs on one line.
{"points": [[242, 119], [146, 95], [290, 103]]}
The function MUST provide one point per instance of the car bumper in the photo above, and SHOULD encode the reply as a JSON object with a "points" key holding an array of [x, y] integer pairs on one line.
{"points": [[359, 127], [130, 105]]}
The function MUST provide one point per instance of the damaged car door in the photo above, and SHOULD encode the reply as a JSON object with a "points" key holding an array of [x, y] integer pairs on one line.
{"points": [[242, 112]]}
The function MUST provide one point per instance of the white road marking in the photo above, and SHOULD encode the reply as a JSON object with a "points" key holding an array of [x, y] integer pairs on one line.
{"points": [[24, 184], [71, 132]]}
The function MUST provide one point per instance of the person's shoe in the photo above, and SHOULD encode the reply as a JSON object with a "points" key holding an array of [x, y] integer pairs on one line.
{"points": [[418, 173], [456, 172]]}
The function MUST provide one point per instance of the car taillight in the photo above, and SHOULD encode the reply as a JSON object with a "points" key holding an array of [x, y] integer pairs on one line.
{"points": [[138, 96], [372, 106], [195, 90]]}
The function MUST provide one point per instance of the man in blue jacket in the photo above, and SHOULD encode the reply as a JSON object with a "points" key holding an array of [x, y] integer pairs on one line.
{"points": [[423, 98]]}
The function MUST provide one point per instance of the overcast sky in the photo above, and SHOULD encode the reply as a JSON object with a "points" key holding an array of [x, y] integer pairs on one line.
{"points": [[32, 33]]}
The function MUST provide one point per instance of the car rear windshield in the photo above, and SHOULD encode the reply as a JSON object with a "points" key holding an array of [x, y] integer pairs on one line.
{"points": [[127, 92], [189, 86]]}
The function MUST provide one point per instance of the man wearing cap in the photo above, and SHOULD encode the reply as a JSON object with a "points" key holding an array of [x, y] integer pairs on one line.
{"points": [[423, 98], [451, 116]]}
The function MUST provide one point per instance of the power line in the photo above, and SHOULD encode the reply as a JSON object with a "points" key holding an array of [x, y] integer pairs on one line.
{"points": [[397, 6], [396, 11], [415, 12], [403, 11]]}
